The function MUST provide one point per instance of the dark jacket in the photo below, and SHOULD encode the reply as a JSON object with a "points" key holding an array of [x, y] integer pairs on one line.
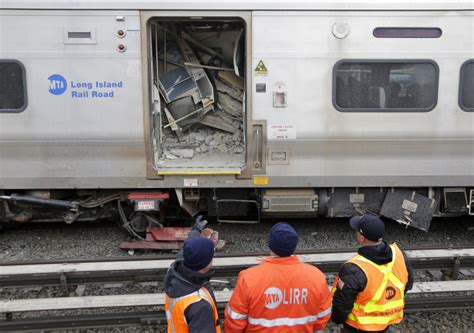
{"points": [[355, 279], [180, 281]]}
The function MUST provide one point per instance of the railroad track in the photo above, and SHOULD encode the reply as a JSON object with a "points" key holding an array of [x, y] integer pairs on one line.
{"points": [[424, 296], [153, 268]]}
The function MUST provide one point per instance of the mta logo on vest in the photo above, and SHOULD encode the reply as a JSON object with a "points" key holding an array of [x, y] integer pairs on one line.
{"points": [[274, 297], [390, 293]]}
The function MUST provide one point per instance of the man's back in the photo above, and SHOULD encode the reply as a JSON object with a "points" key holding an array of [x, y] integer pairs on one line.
{"points": [[280, 295]]}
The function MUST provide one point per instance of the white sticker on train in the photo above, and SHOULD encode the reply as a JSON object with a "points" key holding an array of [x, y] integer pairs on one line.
{"points": [[190, 182], [281, 132]]}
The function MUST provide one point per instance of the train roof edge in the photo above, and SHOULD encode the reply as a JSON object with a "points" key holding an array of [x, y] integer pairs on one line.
{"points": [[257, 5]]}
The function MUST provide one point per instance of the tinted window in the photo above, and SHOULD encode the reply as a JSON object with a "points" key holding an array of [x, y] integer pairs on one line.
{"points": [[382, 86], [407, 32], [12, 86], [466, 86]]}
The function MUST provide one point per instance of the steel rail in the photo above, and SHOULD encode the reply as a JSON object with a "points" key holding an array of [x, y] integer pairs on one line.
{"points": [[218, 255], [70, 276], [137, 318]]}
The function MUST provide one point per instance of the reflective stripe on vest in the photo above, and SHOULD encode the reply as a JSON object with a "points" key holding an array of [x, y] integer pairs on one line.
{"points": [[175, 308], [380, 310]]}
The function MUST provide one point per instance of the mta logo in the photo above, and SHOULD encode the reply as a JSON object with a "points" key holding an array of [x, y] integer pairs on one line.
{"points": [[273, 297], [292, 296], [57, 84], [390, 293]]}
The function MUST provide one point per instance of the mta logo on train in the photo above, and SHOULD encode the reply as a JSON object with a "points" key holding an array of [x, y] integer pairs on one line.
{"points": [[57, 84]]}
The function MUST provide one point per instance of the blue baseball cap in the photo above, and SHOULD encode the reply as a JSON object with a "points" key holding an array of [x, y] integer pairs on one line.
{"points": [[283, 239], [369, 225]]}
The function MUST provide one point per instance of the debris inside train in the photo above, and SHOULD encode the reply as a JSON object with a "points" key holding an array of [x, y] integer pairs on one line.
{"points": [[199, 92]]}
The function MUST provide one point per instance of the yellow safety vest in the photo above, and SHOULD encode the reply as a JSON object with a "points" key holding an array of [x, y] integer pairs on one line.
{"points": [[175, 308], [382, 301]]}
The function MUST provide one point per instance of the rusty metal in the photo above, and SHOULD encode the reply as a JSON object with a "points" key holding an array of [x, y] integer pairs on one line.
{"points": [[167, 234], [159, 239]]}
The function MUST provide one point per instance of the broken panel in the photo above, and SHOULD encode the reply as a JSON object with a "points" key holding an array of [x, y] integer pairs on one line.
{"points": [[199, 78], [409, 207]]}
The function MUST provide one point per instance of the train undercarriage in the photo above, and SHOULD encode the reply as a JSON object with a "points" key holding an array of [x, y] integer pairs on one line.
{"points": [[135, 211]]}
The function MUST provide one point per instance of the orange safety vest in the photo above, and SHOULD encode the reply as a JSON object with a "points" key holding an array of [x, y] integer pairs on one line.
{"points": [[381, 302], [175, 308]]}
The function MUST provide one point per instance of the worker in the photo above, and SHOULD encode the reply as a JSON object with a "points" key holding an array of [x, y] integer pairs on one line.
{"points": [[190, 304], [370, 288], [281, 294]]}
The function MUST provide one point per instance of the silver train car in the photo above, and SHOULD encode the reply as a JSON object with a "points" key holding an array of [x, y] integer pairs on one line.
{"points": [[154, 110]]}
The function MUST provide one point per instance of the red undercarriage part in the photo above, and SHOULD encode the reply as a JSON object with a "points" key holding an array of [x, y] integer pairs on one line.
{"points": [[148, 196], [167, 238], [147, 201], [162, 238]]}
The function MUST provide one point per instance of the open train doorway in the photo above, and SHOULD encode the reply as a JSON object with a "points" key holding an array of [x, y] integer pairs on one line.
{"points": [[197, 93]]}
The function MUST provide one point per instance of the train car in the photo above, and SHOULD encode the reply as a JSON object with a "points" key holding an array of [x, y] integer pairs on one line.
{"points": [[149, 111]]}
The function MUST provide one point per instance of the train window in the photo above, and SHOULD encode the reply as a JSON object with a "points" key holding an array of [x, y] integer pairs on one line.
{"points": [[407, 32], [385, 85], [12, 86], [466, 86]]}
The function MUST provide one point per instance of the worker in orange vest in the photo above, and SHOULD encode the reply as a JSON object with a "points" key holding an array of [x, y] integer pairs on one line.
{"points": [[190, 304], [370, 288], [282, 294]]}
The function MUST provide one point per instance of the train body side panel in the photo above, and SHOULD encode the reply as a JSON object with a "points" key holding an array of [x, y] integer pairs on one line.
{"points": [[61, 141], [84, 119], [331, 148]]}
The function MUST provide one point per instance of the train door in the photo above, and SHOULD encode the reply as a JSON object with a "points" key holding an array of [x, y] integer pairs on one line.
{"points": [[197, 102]]}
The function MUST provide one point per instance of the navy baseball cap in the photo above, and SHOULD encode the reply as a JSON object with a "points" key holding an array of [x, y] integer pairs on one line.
{"points": [[198, 253], [369, 225], [283, 239]]}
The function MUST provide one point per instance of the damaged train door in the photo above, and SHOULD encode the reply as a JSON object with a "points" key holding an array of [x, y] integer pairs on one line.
{"points": [[197, 92]]}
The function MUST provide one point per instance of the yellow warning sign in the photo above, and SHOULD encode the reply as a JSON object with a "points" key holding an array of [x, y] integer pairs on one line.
{"points": [[261, 69], [260, 180]]}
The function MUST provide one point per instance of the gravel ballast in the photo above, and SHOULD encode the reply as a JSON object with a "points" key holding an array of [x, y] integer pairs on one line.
{"points": [[98, 240]]}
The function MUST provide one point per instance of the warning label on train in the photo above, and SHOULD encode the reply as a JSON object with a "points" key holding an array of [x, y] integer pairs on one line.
{"points": [[261, 69], [260, 180], [83, 89]]}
